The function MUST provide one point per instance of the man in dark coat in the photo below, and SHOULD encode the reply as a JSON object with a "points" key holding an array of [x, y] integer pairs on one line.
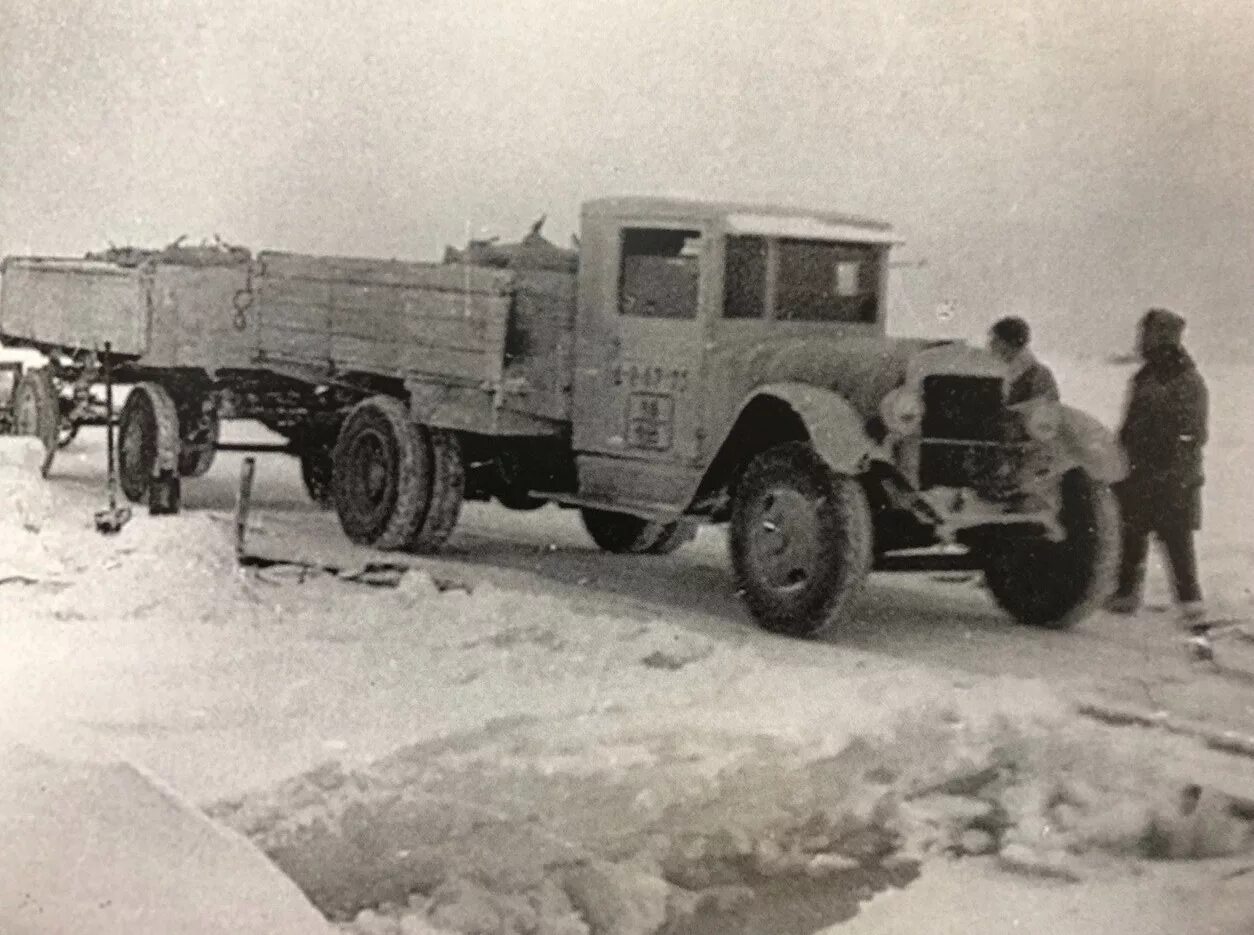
{"points": [[1163, 433], [1028, 377]]}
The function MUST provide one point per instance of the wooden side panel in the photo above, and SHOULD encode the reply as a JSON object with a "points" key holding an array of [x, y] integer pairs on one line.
{"points": [[385, 317], [74, 304], [196, 321]]}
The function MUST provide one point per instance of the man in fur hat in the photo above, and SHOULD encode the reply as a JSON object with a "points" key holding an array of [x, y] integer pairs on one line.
{"points": [[1163, 433]]}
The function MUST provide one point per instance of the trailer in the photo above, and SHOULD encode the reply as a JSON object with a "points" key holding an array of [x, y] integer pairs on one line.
{"points": [[686, 362]]}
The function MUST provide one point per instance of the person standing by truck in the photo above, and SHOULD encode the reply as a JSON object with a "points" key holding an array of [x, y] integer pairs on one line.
{"points": [[1164, 431], [1028, 379]]}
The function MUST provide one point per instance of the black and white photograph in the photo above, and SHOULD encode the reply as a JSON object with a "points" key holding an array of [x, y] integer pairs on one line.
{"points": [[592, 467]]}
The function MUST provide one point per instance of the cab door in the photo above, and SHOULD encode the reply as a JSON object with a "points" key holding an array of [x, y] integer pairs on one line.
{"points": [[641, 343]]}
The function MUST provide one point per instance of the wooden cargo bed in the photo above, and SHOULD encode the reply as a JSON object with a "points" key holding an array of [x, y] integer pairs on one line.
{"points": [[484, 349]]}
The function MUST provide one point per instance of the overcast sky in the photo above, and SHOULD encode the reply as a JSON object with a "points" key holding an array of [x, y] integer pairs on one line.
{"points": [[1067, 160]]}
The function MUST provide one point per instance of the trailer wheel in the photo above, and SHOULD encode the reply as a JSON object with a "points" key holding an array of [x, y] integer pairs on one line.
{"points": [[801, 540], [381, 474], [1055, 584], [148, 439], [36, 411], [622, 533], [448, 489]]}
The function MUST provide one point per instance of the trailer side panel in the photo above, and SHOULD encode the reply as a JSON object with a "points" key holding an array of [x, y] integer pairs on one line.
{"points": [[201, 318], [74, 304]]}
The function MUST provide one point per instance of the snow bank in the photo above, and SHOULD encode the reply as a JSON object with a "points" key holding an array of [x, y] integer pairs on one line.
{"points": [[183, 566], [539, 827], [104, 850]]}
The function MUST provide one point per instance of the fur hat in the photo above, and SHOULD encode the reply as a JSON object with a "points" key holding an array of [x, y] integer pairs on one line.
{"points": [[1166, 325]]}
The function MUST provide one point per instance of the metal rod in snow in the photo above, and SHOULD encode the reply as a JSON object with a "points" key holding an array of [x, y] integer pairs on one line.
{"points": [[242, 504], [112, 469]]}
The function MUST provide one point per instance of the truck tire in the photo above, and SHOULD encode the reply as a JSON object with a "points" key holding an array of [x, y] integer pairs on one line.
{"points": [[622, 533], [1055, 584], [148, 438], [801, 540], [315, 474], [36, 411], [380, 474], [448, 489]]}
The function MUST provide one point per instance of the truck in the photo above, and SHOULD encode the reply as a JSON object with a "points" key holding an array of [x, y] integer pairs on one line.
{"points": [[683, 363]]}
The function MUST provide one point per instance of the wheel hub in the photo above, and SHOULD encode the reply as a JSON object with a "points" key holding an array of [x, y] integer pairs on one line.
{"points": [[786, 541], [372, 470]]}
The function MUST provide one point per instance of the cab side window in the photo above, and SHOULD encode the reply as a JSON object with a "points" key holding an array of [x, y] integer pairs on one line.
{"points": [[660, 273], [744, 280]]}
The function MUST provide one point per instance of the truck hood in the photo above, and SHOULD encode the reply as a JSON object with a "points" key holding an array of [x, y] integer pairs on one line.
{"points": [[862, 369]]}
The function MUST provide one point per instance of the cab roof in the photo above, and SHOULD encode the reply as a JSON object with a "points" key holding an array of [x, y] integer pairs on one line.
{"points": [[747, 218]]}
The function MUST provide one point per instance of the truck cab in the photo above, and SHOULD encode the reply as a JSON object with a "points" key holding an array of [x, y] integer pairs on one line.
{"points": [[680, 305]]}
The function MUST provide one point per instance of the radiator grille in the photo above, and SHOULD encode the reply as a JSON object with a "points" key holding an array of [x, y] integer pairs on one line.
{"points": [[963, 408], [966, 439]]}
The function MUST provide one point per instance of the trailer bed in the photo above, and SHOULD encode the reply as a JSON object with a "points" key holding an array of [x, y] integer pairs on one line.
{"points": [[483, 349]]}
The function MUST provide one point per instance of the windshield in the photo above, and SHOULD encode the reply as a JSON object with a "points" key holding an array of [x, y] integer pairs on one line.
{"points": [[814, 280], [823, 281]]}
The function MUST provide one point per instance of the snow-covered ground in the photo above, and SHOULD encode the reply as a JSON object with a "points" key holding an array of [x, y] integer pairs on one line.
{"points": [[528, 736]]}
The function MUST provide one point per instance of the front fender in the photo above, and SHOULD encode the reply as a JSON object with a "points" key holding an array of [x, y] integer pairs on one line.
{"points": [[835, 428], [1084, 442]]}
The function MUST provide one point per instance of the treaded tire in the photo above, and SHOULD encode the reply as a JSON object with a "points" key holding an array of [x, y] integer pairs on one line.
{"points": [[448, 488], [148, 439], [801, 540], [381, 474], [620, 533], [36, 411], [1054, 585]]}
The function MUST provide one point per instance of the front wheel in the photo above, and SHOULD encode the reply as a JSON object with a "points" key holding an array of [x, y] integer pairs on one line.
{"points": [[1053, 585], [801, 540]]}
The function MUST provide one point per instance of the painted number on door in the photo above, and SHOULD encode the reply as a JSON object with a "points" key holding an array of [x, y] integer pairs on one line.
{"points": [[650, 421]]}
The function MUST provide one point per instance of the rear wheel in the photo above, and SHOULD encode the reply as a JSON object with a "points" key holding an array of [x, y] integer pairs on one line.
{"points": [[148, 439], [1055, 584], [381, 474], [448, 488], [36, 411], [801, 540]]}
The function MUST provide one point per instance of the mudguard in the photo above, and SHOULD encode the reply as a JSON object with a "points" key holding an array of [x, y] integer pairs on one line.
{"points": [[1084, 442], [836, 430]]}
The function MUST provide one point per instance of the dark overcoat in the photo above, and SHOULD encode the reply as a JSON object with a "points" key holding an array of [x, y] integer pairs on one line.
{"points": [[1163, 433]]}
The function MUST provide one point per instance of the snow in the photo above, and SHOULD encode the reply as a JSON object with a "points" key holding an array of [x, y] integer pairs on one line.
{"points": [[564, 742]]}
